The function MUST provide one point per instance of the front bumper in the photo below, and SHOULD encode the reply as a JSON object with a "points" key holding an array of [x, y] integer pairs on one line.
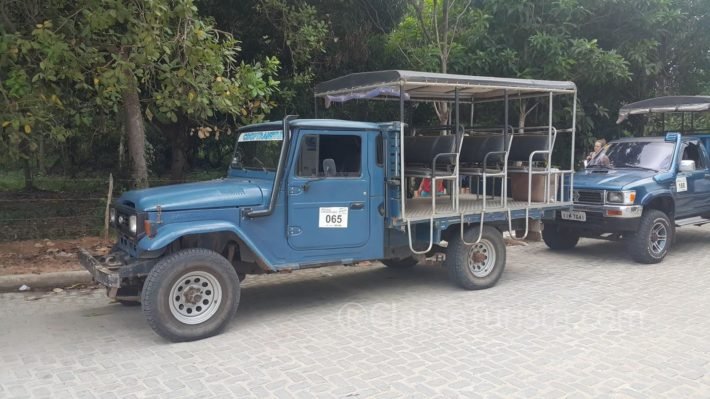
{"points": [[102, 272], [113, 269], [603, 218], [612, 211]]}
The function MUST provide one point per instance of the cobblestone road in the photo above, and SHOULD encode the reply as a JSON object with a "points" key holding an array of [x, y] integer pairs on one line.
{"points": [[589, 323]]}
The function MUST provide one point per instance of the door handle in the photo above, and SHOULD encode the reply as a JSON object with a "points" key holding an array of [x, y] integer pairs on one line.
{"points": [[357, 205]]}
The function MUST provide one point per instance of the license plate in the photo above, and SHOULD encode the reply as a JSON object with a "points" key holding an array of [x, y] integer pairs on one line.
{"points": [[574, 215]]}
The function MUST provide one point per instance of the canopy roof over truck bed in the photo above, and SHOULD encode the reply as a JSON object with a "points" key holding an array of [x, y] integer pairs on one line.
{"points": [[427, 86], [661, 105]]}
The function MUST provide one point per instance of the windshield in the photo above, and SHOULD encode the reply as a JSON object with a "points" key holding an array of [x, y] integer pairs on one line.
{"points": [[258, 150], [655, 155]]}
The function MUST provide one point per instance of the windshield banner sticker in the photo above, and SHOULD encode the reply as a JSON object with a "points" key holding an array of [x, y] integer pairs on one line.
{"points": [[681, 184], [269, 135], [335, 217]]}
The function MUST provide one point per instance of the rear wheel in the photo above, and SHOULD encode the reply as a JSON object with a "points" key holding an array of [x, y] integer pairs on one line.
{"points": [[400, 263], [559, 238], [190, 295], [476, 266], [652, 241]]}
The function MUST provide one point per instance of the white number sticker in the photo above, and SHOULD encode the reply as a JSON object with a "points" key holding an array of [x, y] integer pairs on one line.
{"points": [[681, 184], [336, 217]]}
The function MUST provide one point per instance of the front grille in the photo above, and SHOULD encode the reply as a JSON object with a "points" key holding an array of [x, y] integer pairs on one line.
{"points": [[588, 197]]}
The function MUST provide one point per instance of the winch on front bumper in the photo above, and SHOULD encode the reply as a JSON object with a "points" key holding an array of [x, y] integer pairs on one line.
{"points": [[111, 270]]}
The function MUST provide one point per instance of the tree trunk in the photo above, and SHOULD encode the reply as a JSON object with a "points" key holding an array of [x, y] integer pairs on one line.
{"points": [[29, 186], [41, 167], [27, 165], [178, 153], [135, 132]]}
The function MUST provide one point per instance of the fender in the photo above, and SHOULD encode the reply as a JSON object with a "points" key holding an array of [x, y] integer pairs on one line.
{"points": [[171, 232], [662, 193]]}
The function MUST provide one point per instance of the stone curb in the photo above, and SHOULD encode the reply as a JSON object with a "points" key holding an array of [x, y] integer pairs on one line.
{"points": [[13, 282]]}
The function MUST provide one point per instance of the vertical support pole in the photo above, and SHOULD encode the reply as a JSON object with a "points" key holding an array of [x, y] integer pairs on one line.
{"points": [[315, 107], [549, 149], [108, 205], [574, 131], [455, 190], [505, 122], [663, 123], [473, 109], [692, 122], [506, 143], [682, 122], [456, 115], [402, 179]]}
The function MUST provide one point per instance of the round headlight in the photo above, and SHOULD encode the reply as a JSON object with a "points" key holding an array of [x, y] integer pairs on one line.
{"points": [[112, 215], [133, 223]]}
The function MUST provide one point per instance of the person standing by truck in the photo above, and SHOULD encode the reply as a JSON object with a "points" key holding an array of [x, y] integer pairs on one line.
{"points": [[597, 157]]}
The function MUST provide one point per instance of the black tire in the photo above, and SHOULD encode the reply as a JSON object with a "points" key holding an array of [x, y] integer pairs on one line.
{"points": [[644, 245], [458, 254], [199, 268], [559, 238], [400, 263]]}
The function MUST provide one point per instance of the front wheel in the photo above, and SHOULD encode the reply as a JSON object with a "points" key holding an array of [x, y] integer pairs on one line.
{"points": [[652, 241], [476, 266], [190, 295], [559, 238]]}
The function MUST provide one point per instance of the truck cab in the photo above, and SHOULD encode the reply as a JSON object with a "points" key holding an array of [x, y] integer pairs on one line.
{"points": [[303, 193], [648, 187]]}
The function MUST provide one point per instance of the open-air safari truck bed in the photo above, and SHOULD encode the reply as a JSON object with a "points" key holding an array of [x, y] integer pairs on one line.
{"points": [[508, 168]]}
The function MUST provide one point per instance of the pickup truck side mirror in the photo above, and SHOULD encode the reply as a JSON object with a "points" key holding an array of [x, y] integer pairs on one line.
{"points": [[687, 165]]}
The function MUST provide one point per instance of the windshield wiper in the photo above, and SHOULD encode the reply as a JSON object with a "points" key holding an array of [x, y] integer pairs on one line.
{"points": [[626, 165], [598, 166]]}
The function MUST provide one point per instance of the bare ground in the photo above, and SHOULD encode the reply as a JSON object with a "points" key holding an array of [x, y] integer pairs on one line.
{"points": [[44, 256]]}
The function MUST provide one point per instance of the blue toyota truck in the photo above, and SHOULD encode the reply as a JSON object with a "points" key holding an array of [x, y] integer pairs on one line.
{"points": [[303, 193], [646, 187]]}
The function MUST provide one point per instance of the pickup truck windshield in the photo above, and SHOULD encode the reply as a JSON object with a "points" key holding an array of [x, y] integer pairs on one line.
{"points": [[654, 155], [258, 150]]}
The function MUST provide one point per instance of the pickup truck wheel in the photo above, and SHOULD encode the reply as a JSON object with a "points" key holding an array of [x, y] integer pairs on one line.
{"points": [[400, 263], [476, 266], [651, 242], [559, 238], [190, 295]]}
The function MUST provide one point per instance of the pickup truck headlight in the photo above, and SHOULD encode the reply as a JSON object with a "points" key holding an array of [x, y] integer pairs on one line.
{"points": [[133, 224], [621, 197]]}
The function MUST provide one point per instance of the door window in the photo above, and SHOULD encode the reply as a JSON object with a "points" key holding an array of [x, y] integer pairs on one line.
{"points": [[329, 156], [692, 153]]}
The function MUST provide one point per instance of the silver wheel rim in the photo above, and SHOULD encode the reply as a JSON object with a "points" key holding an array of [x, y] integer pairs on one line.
{"points": [[658, 238], [195, 297], [481, 258]]}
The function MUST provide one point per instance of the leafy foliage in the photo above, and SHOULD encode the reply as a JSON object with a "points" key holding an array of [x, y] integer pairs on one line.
{"points": [[63, 73]]}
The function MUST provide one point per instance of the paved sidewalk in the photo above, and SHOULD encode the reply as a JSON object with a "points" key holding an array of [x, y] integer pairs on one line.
{"points": [[586, 323]]}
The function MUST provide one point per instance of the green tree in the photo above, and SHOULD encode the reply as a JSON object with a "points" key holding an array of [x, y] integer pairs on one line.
{"points": [[142, 59]]}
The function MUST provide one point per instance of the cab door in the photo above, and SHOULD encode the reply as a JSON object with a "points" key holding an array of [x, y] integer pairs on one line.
{"points": [[693, 188], [328, 184]]}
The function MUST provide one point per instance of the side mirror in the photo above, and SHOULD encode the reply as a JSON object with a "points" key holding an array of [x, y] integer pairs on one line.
{"points": [[670, 137], [687, 165]]}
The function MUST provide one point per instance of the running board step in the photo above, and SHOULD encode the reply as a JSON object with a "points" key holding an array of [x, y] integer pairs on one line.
{"points": [[696, 220]]}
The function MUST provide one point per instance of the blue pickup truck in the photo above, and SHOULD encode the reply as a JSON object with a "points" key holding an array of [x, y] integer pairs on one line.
{"points": [[303, 193], [646, 187]]}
